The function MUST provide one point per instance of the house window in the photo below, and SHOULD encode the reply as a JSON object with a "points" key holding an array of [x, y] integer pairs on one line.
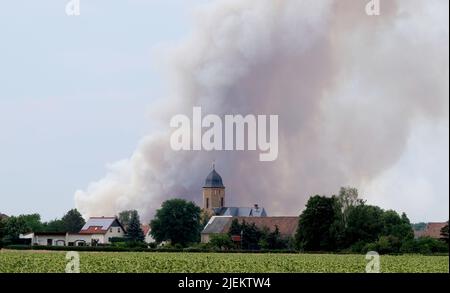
{"points": [[118, 230], [207, 203], [110, 230]]}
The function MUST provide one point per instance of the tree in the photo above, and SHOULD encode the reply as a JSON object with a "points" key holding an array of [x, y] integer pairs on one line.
{"points": [[364, 224], [2, 231], [14, 226], [73, 221], [250, 236], [221, 241], [177, 221], [394, 225], [317, 224], [444, 233], [124, 218], [134, 231], [347, 198], [235, 228], [54, 226]]}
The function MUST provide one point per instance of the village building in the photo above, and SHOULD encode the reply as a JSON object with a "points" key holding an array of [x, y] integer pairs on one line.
{"points": [[222, 216], [432, 229], [214, 200], [102, 229], [97, 230], [287, 226], [148, 237]]}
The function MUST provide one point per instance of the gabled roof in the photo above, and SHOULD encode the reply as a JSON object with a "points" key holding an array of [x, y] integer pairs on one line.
{"points": [[432, 230], [221, 224], [217, 224], [241, 212], [99, 225], [145, 228]]}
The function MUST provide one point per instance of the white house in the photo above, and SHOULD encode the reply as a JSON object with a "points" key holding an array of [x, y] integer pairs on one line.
{"points": [[57, 239], [102, 229], [97, 230], [148, 237]]}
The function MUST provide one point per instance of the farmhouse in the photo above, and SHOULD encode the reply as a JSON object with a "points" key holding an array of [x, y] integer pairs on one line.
{"points": [[97, 230]]}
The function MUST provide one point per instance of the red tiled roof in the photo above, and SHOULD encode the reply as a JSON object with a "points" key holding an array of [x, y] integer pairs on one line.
{"points": [[433, 230], [145, 228], [94, 230]]}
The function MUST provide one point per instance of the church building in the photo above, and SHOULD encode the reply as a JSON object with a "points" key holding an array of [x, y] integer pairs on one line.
{"points": [[214, 203], [214, 200]]}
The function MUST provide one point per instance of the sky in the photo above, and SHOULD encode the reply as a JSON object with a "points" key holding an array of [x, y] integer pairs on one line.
{"points": [[77, 94]]}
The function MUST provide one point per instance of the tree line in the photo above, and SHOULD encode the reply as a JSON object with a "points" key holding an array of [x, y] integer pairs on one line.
{"points": [[342, 222], [346, 223]]}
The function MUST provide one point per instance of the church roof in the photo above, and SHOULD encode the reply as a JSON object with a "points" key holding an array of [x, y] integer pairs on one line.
{"points": [[221, 224], [241, 211], [214, 180]]}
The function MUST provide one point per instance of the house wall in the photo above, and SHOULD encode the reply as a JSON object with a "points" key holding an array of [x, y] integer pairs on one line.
{"points": [[99, 237], [76, 238], [149, 238], [56, 240], [116, 232], [205, 238]]}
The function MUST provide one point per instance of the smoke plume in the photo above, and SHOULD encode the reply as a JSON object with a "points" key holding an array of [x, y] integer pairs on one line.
{"points": [[348, 89]]}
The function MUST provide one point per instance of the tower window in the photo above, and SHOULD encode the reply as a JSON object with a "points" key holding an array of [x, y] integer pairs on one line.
{"points": [[221, 202], [207, 203]]}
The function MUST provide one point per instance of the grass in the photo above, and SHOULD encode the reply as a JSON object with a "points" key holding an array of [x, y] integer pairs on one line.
{"points": [[139, 262]]}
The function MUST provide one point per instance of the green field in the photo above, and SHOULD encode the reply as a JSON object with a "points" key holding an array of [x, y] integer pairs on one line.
{"points": [[46, 261]]}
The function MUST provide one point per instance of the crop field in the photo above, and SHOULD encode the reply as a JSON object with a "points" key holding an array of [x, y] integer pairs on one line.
{"points": [[144, 262]]}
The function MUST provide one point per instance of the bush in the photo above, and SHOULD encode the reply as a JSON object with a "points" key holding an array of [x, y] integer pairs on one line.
{"points": [[426, 245], [221, 242], [153, 245], [358, 247]]}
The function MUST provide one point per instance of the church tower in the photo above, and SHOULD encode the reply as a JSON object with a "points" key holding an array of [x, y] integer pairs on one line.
{"points": [[213, 192]]}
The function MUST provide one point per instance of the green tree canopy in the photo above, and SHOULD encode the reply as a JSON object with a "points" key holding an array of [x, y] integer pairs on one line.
{"points": [[364, 224], [134, 231], [55, 225], [73, 221], [177, 221], [124, 217], [16, 225], [221, 241], [317, 224]]}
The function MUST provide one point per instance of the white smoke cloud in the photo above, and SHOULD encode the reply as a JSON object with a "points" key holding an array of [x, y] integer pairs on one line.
{"points": [[348, 89]]}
